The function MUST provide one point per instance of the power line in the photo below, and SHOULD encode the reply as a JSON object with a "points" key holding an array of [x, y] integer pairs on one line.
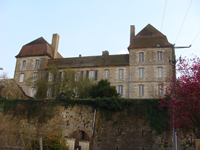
{"points": [[192, 42], [163, 16], [183, 20], [195, 37]]}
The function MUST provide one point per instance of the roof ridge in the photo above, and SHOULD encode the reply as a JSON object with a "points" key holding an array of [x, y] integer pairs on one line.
{"points": [[37, 41], [149, 30]]}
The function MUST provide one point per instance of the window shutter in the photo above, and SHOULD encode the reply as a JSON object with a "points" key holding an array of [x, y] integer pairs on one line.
{"points": [[96, 72], [47, 75], [142, 72], [121, 90], [87, 73], [81, 74]]}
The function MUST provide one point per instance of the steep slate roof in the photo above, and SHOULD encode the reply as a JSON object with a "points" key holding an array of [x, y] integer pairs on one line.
{"points": [[93, 61], [149, 37], [38, 47]]}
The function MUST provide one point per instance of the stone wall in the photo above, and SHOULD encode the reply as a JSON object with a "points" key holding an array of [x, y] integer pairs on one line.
{"points": [[29, 70], [119, 131], [150, 66], [11, 90]]}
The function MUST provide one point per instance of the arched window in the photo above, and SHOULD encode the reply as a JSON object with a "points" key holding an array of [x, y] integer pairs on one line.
{"points": [[106, 74], [141, 90], [37, 64], [159, 56], [24, 64], [141, 57], [160, 72], [141, 73]]}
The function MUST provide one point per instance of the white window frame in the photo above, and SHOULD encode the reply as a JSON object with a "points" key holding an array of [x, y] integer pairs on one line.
{"points": [[37, 63], [120, 90], [160, 72], [76, 92], [34, 76], [141, 56], [106, 74], [24, 64], [141, 73], [161, 90], [159, 56], [33, 92], [49, 92], [51, 77], [92, 74], [77, 75], [121, 74], [141, 90], [21, 78]]}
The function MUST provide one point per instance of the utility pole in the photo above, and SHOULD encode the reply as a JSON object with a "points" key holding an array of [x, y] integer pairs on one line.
{"points": [[175, 145]]}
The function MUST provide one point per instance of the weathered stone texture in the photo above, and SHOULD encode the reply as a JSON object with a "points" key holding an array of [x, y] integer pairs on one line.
{"points": [[123, 132]]}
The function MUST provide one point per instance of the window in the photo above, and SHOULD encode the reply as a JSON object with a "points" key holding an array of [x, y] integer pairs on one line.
{"points": [[34, 76], [160, 72], [87, 73], [76, 91], [50, 77], [121, 74], [141, 57], [36, 63], [81, 74], [77, 76], [21, 79], [141, 73], [93, 74], [24, 64], [141, 90], [49, 92], [159, 56], [60, 76], [106, 74], [160, 90], [120, 90], [33, 92]]}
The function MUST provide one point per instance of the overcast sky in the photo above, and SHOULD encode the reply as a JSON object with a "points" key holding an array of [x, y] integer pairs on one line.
{"points": [[89, 27]]}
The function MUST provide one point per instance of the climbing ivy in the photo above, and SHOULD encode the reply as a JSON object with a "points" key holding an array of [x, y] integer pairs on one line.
{"points": [[42, 110]]}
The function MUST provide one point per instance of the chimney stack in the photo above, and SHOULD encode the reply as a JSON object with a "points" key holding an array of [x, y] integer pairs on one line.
{"points": [[54, 44], [105, 53], [132, 33]]}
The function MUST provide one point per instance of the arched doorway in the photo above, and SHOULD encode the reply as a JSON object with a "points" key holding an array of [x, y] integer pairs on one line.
{"points": [[81, 137]]}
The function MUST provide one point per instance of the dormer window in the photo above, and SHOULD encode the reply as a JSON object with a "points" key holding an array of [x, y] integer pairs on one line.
{"points": [[24, 64], [37, 64]]}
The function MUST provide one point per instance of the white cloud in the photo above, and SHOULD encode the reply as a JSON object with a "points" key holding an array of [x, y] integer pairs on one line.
{"points": [[123, 52]]}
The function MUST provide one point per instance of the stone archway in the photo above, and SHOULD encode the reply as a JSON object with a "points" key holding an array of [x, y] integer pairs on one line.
{"points": [[79, 135]]}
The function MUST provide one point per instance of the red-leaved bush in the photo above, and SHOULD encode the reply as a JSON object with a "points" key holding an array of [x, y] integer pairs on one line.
{"points": [[182, 97]]}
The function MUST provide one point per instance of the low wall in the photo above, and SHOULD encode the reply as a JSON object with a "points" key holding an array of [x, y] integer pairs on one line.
{"points": [[121, 130]]}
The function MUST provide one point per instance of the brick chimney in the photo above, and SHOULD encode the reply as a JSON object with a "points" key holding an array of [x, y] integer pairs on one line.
{"points": [[54, 44], [132, 32]]}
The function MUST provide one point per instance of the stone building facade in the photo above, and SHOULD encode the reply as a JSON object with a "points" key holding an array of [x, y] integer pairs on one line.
{"points": [[135, 75]]}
